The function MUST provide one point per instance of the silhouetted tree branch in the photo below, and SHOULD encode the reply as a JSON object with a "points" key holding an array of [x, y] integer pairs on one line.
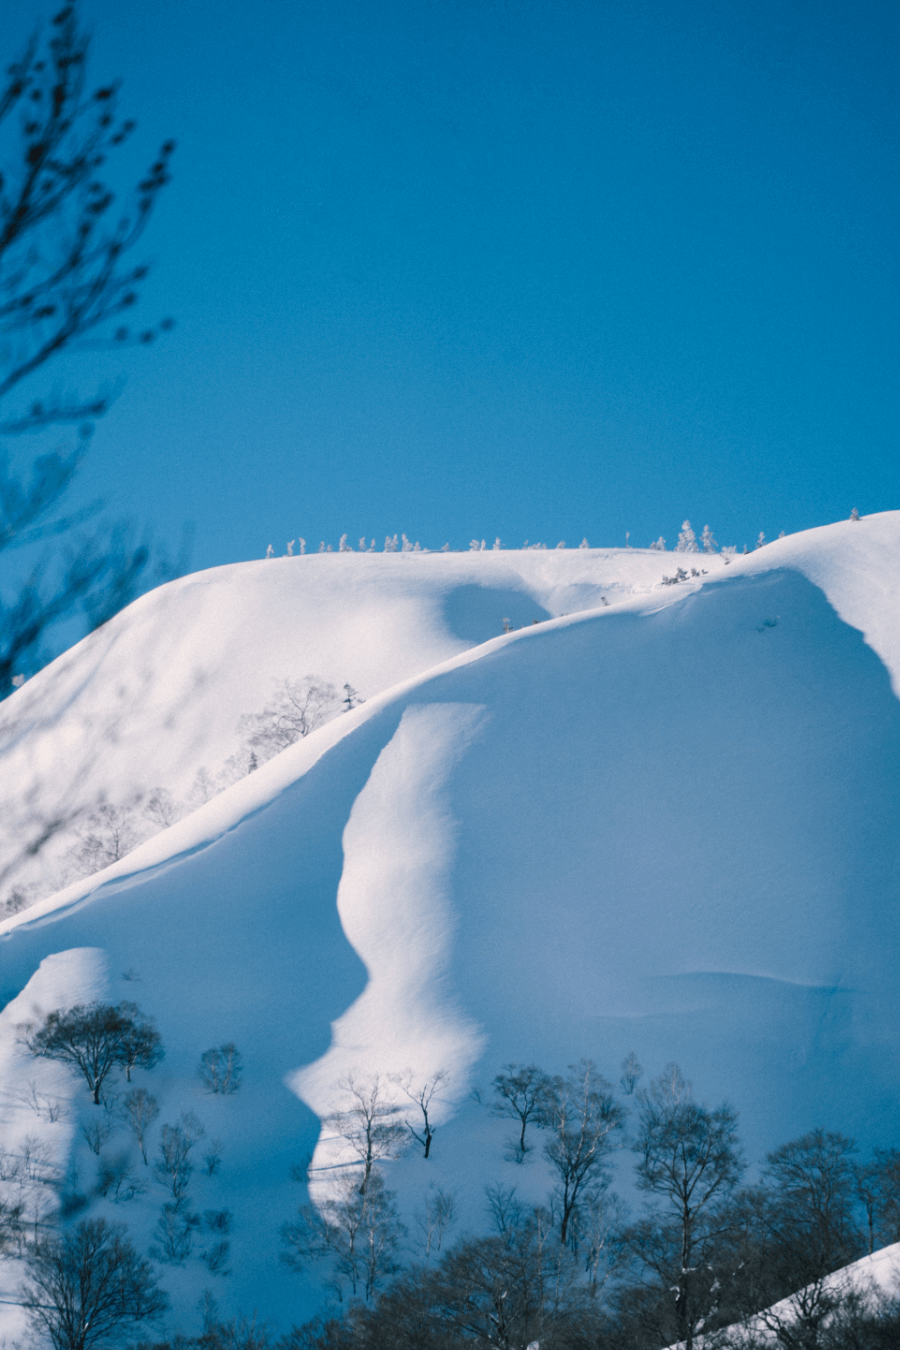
{"points": [[66, 282]]}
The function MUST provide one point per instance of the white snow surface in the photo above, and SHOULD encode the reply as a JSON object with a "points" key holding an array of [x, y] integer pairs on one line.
{"points": [[156, 693], [871, 1277], [667, 824]]}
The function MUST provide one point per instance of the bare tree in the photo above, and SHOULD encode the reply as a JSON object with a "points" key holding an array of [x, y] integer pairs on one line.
{"points": [[10, 1212], [422, 1094], [631, 1073], [65, 285], [437, 1215], [141, 1109], [357, 1233], [523, 1092], [85, 1287], [108, 834], [810, 1185], [240, 1333], [141, 1044], [878, 1190], [97, 1132], [174, 1232], [511, 1289], [212, 1158], [96, 1038], [19, 898], [804, 1222], [370, 1122], [116, 1175], [221, 1068], [204, 787], [162, 809], [585, 1121], [691, 1158], [297, 708], [175, 1168]]}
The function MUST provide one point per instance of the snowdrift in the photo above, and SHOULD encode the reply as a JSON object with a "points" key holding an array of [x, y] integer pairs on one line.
{"points": [[668, 824]]}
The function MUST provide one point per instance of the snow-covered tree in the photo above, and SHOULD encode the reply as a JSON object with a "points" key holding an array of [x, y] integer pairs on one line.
{"points": [[708, 541], [687, 540], [109, 833], [351, 698], [204, 787], [162, 809], [297, 708]]}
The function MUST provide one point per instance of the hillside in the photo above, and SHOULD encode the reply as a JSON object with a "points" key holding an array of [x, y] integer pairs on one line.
{"points": [[667, 824], [156, 695]]}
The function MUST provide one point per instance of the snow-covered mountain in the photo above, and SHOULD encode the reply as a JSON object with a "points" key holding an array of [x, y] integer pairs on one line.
{"points": [[662, 819]]}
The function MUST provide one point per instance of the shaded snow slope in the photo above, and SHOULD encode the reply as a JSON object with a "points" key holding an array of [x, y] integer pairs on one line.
{"points": [[668, 826]]}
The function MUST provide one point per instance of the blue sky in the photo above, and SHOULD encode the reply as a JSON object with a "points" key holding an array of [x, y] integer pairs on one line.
{"points": [[520, 269]]}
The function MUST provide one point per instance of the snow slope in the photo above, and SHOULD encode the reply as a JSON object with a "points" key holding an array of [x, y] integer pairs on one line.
{"points": [[667, 825], [871, 1278], [156, 694]]}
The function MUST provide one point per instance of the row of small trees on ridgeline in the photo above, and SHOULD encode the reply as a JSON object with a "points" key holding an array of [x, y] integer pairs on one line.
{"points": [[708, 1256], [687, 543], [109, 832]]}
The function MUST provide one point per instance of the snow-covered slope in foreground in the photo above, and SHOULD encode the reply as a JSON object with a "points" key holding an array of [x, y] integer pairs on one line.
{"points": [[670, 825], [870, 1280]]}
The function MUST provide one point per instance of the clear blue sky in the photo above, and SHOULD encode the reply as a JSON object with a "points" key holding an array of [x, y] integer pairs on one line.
{"points": [[526, 268]]}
